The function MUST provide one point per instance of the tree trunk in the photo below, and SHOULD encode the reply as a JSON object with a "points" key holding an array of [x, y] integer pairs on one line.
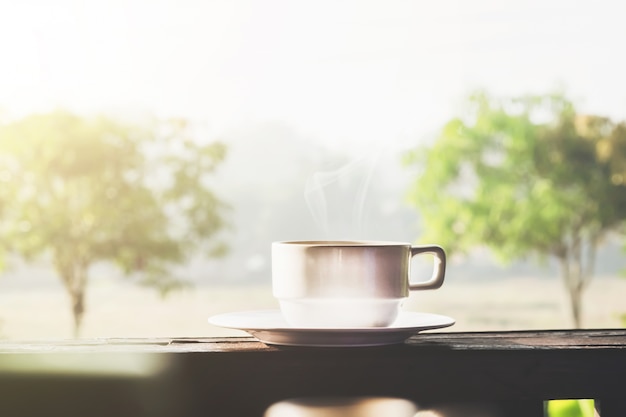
{"points": [[577, 280], [574, 296], [577, 274], [576, 307], [78, 308], [78, 295], [73, 273]]}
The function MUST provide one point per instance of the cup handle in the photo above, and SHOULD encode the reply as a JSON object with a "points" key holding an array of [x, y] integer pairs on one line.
{"points": [[439, 270]]}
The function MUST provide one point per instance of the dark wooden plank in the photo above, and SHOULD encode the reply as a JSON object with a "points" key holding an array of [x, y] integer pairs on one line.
{"points": [[523, 340], [425, 378], [242, 377], [484, 409], [533, 408], [474, 341], [516, 366], [611, 407]]}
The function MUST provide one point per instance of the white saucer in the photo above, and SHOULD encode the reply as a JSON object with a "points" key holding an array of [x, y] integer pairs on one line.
{"points": [[269, 327]]}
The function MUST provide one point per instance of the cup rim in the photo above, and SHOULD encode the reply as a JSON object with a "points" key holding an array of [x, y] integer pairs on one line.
{"points": [[340, 243]]}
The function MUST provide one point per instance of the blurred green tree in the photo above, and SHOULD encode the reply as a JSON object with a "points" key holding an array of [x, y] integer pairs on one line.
{"points": [[525, 175], [571, 408], [86, 190]]}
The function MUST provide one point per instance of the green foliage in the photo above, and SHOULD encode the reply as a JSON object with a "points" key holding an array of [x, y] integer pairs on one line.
{"points": [[525, 175], [500, 174], [571, 408], [87, 190]]}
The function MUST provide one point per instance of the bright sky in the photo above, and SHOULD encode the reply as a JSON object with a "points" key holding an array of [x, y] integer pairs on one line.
{"points": [[336, 70]]}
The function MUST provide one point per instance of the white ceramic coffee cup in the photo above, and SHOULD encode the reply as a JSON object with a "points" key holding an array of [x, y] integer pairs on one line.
{"points": [[347, 284]]}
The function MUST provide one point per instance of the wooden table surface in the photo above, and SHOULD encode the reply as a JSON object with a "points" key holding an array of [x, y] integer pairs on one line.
{"points": [[242, 377]]}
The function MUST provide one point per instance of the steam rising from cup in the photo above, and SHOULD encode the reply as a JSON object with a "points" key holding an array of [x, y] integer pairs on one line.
{"points": [[329, 193]]}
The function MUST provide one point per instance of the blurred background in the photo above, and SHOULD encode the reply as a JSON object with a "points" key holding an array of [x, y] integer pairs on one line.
{"points": [[151, 151]]}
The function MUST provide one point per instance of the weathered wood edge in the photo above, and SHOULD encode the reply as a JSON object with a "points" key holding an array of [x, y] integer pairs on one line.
{"points": [[607, 339]]}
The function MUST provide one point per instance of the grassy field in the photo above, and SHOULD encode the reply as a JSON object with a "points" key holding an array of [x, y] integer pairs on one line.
{"points": [[119, 309]]}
